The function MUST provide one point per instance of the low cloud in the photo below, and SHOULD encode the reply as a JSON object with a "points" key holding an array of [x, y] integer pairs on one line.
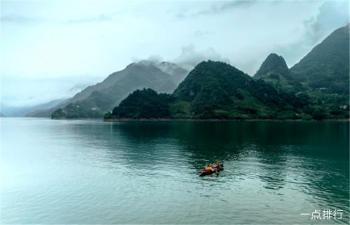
{"points": [[25, 20], [190, 56], [218, 8], [21, 91], [20, 19], [331, 14], [151, 58], [91, 19]]}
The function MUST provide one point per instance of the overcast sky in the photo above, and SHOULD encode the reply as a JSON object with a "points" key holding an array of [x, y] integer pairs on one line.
{"points": [[50, 49]]}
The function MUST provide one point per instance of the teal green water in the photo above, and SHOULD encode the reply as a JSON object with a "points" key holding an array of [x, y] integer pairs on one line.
{"points": [[147, 172]]}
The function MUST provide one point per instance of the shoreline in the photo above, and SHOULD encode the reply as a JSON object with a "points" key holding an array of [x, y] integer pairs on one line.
{"points": [[222, 120], [186, 120]]}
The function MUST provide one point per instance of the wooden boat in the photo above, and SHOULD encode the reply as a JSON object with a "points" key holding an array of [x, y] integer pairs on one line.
{"points": [[212, 168]]}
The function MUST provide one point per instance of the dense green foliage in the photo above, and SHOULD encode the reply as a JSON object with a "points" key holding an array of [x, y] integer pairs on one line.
{"points": [[273, 64], [274, 71], [143, 104], [218, 90]]}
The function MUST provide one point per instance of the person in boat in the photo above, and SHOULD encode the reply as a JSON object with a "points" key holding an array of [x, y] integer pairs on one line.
{"points": [[217, 165], [220, 164], [212, 168], [209, 168]]}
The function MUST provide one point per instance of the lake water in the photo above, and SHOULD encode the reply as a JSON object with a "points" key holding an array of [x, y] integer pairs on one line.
{"points": [[59, 171]]}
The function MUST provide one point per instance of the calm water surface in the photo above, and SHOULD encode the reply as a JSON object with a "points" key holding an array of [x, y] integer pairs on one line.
{"points": [[147, 172]]}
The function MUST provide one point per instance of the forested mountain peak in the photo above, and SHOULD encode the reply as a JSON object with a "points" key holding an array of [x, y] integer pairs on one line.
{"points": [[273, 64]]}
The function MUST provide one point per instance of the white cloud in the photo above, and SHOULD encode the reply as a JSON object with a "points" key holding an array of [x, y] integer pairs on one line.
{"points": [[190, 57]]}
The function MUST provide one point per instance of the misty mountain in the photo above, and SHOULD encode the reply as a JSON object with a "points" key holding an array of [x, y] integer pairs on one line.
{"points": [[45, 109], [17, 111], [326, 66], [316, 87], [14, 111], [176, 72], [219, 90], [97, 99]]}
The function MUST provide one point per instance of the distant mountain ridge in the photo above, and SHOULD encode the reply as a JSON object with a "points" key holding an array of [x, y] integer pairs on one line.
{"points": [[95, 100], [39, 109]]}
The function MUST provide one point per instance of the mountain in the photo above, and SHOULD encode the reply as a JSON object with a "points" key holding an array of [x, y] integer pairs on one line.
{"points": [[326, 66], [325, 72], [215, 90], [145, 103], [273, 64], [274, 70], [43, 110], [317, 87], [95, 100], [321, 78], [14, 111], [176, 72], [33, 110]]}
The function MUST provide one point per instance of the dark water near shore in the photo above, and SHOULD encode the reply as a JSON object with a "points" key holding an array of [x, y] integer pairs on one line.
{"points": [[147, 172]]}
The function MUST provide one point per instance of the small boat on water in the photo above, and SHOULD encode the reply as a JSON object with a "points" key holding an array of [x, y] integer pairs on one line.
{"points": [[212, 168]]}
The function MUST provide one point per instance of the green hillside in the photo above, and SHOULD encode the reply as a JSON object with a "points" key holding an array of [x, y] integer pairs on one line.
{"points": [[145, 103], [274, 71], [326, 66], [216, 90]]}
